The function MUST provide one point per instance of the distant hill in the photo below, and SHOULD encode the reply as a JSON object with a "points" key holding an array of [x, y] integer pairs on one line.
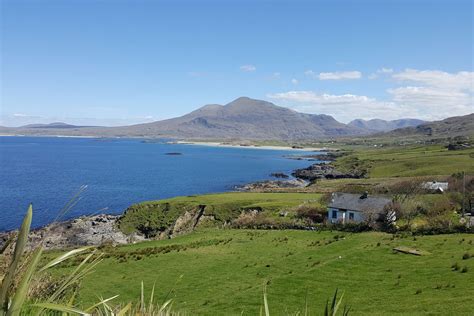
{"points": [[450, 127], [52, 125], [243, 118], [378, 125]]}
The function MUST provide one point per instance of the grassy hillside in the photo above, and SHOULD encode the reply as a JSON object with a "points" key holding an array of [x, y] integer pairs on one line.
{"points": [[409, 161], [158, 215], [222, 272]]}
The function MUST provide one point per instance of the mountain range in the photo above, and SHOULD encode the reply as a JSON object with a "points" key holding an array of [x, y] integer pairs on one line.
{"points": [[243, 118], [378, 125]]}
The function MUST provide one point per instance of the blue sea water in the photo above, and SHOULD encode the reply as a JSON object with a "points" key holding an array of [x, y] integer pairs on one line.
{"points": [[48, 171]]}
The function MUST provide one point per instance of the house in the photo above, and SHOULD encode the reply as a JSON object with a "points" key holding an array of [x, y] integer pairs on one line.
{"points": [[347, 207], [440, 187]]}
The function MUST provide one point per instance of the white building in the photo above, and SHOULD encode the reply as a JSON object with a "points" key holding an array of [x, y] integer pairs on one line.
{"points": [[346, 207], [435, 186]]}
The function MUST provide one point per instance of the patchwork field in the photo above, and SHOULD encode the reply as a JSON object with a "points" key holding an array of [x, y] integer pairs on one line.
{"points": [[410, 161], [223, 272]]}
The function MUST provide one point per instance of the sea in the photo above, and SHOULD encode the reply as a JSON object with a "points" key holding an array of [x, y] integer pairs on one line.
{"points": [[108, 175]]}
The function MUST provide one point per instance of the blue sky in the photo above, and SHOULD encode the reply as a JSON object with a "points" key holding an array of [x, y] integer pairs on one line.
{"points": [[121, 62]]}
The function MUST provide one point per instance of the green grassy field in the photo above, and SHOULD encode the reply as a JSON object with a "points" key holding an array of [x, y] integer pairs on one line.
{"points": [[410, 161], [222, 272]]}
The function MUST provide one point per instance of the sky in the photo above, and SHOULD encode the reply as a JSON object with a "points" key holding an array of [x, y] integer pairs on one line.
{"points": [[115, 62]]}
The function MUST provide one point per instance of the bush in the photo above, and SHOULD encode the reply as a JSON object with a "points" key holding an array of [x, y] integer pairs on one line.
{"points": [[316, 214], [351, 227]]}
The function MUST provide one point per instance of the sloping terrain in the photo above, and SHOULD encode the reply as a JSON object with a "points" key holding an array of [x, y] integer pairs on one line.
{"points": [[243, 118], [378, 125], [450, 127]]}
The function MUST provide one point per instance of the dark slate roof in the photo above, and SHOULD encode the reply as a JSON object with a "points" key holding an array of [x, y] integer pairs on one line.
{"points": [[355, 202]]}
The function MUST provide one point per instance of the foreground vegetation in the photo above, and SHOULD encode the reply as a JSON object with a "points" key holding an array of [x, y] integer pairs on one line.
{"points": [[153, 217], [28, 288], [221, 272]]}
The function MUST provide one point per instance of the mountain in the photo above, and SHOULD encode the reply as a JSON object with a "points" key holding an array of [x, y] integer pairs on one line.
{"points": [[377, 125], [243, 118], [251, 119], [246, 118], [450, 127]]}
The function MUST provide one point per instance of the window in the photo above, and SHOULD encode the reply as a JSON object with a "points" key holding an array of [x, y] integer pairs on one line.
{"points": [[351, 216], [334, 214]]}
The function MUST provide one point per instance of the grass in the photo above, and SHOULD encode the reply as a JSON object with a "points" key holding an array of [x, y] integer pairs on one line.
{"points": [[223, 207], [410, 161], [222, 272]]}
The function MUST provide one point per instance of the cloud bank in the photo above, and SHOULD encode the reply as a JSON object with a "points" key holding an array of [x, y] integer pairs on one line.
{"points": [[430, 95]]}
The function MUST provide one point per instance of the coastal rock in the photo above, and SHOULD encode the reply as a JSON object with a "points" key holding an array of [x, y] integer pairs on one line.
{"points": [[279, 175], [326, 156], [324, 171], [273, 184], [83, 231]]}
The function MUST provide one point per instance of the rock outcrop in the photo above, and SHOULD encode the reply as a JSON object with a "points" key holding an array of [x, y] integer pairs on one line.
{"points": [[83, 231], [273, 184], [324, 171]]}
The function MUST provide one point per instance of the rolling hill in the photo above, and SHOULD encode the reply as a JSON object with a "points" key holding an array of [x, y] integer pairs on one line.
{"points": [[450, 127], [378, 125]]}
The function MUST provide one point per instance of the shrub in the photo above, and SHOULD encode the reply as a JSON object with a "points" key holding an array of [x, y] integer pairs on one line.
{"points": [[316, 214]]}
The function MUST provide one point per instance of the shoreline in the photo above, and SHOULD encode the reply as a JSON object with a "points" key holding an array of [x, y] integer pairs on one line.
{"points": [[194, 143], [264, 147]]}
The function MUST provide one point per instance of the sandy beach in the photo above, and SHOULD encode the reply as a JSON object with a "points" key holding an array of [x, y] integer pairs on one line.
{"points": [[218, 144]]}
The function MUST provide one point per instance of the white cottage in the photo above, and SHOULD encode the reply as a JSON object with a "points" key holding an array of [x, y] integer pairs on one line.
{"points": [[346, 207]]}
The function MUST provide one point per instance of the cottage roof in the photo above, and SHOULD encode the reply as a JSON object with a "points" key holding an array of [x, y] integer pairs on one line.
{"points": [[357, 202]]}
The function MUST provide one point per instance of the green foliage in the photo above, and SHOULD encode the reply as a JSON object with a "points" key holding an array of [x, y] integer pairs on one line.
{"points": [[153, 217], [19, 279], [221, 271], [409, 161]]}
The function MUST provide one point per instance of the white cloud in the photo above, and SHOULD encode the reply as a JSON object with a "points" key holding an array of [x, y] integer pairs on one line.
{"points": [[345, 107], [439, 95], [340, 75], [381, 71], [461, 81], [433, 101], [248, 68], [311, 73], [385, 70], [373, 76], [294, 81], [276, 75]]}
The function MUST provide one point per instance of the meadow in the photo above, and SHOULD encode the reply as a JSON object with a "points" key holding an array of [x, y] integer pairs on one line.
{"points": [[223, 272], [410, 161]]}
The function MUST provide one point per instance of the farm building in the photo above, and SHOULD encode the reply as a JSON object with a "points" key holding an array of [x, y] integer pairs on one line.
{"points": [[347, 207]]}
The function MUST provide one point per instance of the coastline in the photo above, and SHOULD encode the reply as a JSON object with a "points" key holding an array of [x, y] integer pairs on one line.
{"points": [[196, 143], [249, 146]]}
